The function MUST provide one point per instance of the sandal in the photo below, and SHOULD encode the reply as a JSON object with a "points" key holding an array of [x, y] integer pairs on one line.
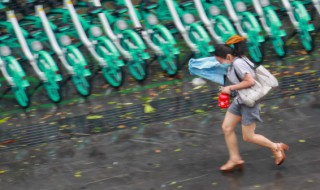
{"points": [[232, 166], [279, 154]]}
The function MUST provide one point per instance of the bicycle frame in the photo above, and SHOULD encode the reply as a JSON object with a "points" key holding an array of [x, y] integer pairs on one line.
{"points": [[69, 12], [108, 30], [101, 49], [126, 40], [157, 36], [271, 24], [218, 26], [193, 33], [316, 4], [301, 21], [134, 16], [40, 60], [70, 56], [13, 73], [247, 25]]}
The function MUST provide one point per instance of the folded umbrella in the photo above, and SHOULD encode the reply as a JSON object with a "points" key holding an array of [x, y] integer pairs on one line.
{"points": [[208, 68]]}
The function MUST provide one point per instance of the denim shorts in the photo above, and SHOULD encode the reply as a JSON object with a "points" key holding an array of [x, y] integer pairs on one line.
{"points": [[248, 115]]}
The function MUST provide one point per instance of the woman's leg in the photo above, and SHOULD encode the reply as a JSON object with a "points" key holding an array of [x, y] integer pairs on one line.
{"points": [[228, 126], [248, 133]]}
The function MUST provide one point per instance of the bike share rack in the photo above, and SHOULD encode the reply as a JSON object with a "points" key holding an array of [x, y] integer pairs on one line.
{"points": [[207, 10]]}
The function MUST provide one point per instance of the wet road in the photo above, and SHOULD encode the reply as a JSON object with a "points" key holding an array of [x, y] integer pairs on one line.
{"points": [[163, 133]]}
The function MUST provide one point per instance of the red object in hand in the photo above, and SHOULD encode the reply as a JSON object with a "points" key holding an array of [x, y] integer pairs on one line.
{"points": [[224, 100]]}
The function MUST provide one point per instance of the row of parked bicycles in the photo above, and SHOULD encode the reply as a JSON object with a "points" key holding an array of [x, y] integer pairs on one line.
{"points": [[118, 34]]}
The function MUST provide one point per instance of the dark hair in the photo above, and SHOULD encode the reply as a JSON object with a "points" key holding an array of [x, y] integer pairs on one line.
{"points": [[237, 50]]}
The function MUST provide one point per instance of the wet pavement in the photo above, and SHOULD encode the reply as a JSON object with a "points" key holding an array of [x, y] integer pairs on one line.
{"points": [[180, 153], [163, 133]]}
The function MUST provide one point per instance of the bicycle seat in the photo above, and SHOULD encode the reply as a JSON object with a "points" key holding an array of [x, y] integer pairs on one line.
{"points": [[95, 10], [33, 31], [150, 5], [4, 36], [170, 26], [63, 26], [52, 3], [28, 8], [3, 15], [120, 10], [40, 2], [12, 5], [186, 3], [138, 30]]}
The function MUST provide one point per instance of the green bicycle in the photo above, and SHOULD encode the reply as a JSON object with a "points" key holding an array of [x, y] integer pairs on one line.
{"points": [[32, 50], [90, 35], [156, 35], [13, 72], [131, 46], [59, 43]]}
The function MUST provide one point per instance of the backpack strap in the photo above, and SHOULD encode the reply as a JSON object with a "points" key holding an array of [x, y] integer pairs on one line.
{"points": [[235, 71], [252, 67]]}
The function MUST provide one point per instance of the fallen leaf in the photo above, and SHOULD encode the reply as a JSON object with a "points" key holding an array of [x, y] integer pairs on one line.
{"points": [[148, 108], [94, 117], [121, 127], [163, 86], [172, 183], [77, 174], [8, 141], [153, 94], [157, 151], [4, 120], [105, 86], [177, 150], [3, 171], [197, 87]]}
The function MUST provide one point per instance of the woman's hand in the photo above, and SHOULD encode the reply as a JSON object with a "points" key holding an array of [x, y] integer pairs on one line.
{"points": [[226, 90]]}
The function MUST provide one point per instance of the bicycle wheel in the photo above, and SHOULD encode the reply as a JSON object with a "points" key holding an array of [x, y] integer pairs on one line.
{"points": [[306, 40], [255, 52], [279, 46], [169, 64], [302, 16], [82, 85], [17, 74], [138, 69], [75, 59], [162, 38], [200, 37], [223, 27], [137, 66], [113, 74], [22, 96], [47, 65]]}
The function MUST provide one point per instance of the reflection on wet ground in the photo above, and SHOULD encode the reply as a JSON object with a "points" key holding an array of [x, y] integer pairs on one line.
{"points": [[163, 133], [181, 153]]}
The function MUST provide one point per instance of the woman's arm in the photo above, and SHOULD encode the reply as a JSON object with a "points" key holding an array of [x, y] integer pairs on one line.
{"points": [[247, 82]]}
